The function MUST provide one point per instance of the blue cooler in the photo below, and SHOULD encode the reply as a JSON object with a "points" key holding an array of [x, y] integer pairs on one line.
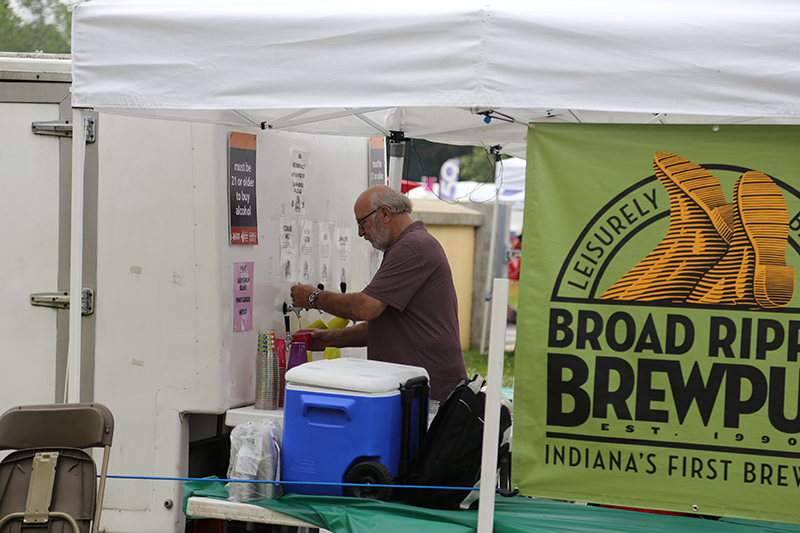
{"points": [[351, 421]]}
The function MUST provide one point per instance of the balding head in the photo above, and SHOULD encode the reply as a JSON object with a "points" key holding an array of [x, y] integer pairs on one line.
{"points": [[383, 214], [379, 195]]}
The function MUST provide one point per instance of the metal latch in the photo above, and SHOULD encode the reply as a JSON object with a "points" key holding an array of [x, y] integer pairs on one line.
{"points": [[63, 128], [60, 300]]}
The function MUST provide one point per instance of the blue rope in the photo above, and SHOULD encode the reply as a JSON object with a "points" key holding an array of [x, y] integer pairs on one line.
{"points": [[323, 483]]}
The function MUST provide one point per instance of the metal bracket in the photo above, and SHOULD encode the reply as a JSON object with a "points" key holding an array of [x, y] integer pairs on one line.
{"points": [[397, 137], [63, 128], [60, 300], [40, 489]]}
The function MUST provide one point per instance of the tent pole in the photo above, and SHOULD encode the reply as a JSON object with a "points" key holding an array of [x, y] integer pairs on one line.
{"points": [[397, 151], [492, 246], [491, 428], [73, 386]]}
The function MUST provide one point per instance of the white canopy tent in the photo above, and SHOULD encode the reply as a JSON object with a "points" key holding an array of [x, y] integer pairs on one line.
{"points": [[437, 70], [509, 176], [455, 71]]}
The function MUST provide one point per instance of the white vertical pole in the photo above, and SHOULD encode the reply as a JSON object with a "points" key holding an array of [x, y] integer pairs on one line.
{"points": [[491, 426], [490, 270], [73, 386], [397, 151]]}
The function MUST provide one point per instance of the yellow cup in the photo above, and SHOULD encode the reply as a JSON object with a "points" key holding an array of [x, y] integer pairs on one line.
{"points": [[331, 353], [337, 323], [317, 324]]}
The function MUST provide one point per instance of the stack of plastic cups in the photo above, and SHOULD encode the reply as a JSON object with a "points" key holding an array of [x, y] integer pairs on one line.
{"points": [[280, 348], [337, 323], [331, 353], [317, 324], [267, 372]]}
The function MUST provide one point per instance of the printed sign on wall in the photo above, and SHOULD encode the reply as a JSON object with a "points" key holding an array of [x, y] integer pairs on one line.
{"points": [[657, 355], [288, 250], [242, 188], [243, 296], [343, 255], [306, 252], [377, 161], [324, 248], [299, 173]]}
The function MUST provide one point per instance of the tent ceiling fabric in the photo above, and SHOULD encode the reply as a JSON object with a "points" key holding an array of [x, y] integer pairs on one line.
{"points": [[429, 68]]}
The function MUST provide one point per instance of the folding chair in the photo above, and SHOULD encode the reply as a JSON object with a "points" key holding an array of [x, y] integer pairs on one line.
{"points": [[50, 481]]}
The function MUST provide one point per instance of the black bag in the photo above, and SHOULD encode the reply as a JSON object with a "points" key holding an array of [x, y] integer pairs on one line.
{"points": [[450, 454]]}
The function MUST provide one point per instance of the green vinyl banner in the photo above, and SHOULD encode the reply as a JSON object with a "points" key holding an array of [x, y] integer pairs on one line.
{"points": [[658, 328]]}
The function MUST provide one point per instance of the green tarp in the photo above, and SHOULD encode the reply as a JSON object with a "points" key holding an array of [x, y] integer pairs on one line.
{"points": [[512, 515]]}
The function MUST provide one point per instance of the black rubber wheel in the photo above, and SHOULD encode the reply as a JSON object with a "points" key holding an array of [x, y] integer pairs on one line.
{"points": [[369, 472]]}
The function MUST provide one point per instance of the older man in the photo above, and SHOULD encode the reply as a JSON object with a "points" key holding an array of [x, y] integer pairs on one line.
{"points": [[409, 312]]}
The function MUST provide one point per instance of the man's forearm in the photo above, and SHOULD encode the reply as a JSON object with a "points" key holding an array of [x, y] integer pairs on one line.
{"points": [[353, 306], [352, 336]]}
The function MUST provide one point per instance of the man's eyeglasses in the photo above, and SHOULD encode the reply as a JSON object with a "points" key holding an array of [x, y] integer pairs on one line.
{"points": [[360, 221]]}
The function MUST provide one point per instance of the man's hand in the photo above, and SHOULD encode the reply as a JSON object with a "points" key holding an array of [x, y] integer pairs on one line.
{"points": [[355, 335], [355, 306], [300, 294], [320, 338]]}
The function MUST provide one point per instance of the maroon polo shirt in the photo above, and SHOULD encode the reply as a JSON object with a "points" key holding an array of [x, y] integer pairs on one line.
{"points": [[420, 323]]}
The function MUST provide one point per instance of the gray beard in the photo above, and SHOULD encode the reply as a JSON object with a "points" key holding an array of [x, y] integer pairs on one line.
{"points": [[380, 239]]}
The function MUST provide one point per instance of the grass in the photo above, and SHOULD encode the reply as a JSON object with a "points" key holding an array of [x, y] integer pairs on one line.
{"points": [[476, 364], [513, 294]]}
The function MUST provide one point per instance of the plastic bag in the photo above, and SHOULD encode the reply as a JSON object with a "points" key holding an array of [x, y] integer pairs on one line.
{"points": [[255, 455]]}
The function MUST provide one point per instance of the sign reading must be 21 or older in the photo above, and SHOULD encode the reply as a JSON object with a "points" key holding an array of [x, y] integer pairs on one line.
{"points": [[242, 188], [377, 161]]}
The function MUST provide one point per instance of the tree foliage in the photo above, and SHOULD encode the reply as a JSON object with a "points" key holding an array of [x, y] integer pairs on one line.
{"points": [[424, 158], [36, 26], [478, 165]]}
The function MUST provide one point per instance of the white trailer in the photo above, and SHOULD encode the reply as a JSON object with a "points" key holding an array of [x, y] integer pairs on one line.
{"points": [[158, 340]]}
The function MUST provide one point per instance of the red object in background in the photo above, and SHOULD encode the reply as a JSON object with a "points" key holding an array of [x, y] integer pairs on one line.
{"points": [[514, 263], [513, 269], [406, 186], [651, 511], [209, 525]]}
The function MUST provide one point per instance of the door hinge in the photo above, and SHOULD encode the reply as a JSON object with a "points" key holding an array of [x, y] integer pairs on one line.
{"points": [[60, 300], [63, 128]]}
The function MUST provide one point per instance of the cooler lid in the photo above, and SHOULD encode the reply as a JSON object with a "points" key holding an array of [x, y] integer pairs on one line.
{"points": [[352, 374]]}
